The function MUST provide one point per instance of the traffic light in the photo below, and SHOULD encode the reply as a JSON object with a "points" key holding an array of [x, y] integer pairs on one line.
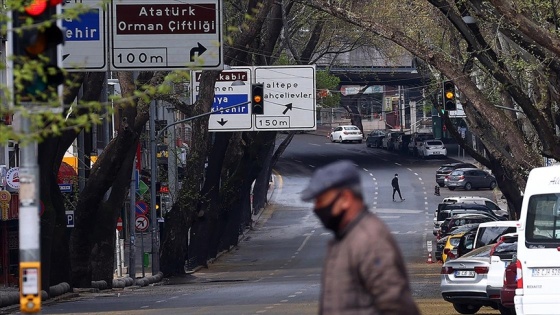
{"points": [[449, 96], [257, 98], [35, 37]]}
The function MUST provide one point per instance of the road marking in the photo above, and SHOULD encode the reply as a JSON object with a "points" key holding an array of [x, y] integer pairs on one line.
{"points": [[292, 296], [410, 170], [399, 211], [388, 216], [374, 178], [371, 174], [398, 164], [312, 166], [365, 169], [416, 174], [304, 242], [315, 144], [145, 306], [420, 178], [283, 301]]}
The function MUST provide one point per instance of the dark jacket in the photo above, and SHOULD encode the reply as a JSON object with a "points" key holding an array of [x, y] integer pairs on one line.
{"points": [[395, 182], [364, 272]]}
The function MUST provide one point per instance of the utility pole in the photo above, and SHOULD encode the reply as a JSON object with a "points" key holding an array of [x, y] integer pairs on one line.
{"points": [[154, 175]]}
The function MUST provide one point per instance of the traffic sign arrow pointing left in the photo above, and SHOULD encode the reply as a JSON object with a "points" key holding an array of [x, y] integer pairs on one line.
{"points": [[222, 122], [288, 107], [197, 50]]}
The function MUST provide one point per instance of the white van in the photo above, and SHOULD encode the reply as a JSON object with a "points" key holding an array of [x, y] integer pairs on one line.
{"points": [[538, 249]]}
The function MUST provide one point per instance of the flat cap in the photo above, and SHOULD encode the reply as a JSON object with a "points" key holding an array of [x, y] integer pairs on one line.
{"points": [[335, 175]]}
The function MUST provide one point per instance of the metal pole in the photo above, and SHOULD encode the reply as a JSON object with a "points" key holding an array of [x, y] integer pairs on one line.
{"points": [[132, 226], [29, 209], [153, 165]]}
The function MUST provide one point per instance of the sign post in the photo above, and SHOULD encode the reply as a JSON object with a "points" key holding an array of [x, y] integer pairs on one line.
{"points": [[85, 47], [289, 98], [232, 87], [166, 35]]}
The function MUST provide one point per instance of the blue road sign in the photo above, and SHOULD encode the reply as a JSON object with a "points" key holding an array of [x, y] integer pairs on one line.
{"points": [[227, 100], [84, 28], [141, 207]]}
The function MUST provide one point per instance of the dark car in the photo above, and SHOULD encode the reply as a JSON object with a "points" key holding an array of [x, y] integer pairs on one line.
{"points": [[446, 169], [470, 178], [375, 138], [462, 219]]}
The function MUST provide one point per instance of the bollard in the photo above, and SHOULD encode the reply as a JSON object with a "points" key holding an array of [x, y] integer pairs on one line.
{"points": [[146, 259], [436, 190]]}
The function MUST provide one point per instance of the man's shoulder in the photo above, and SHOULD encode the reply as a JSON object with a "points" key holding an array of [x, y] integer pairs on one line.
{"points": [[371, 225]]}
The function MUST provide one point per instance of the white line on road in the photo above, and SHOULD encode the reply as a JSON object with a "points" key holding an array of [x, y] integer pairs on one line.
{"points": [[371, 174], [420, 178], [416, 174], [398, 164], [374, 179], [365, 169], [304, 242], [315, 144], [312, 166]]}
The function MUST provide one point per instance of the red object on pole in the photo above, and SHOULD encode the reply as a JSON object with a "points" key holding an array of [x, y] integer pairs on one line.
{"points": [[119, 224], [138, 157]]}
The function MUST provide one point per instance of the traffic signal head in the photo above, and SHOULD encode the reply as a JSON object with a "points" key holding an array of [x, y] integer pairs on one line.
{"points": [[35, 37], [257, 98], [449, 96]]}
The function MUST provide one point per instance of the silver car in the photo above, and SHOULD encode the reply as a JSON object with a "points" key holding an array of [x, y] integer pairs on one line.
{"points": [[464, 281], [347, 133], [470, 178]]}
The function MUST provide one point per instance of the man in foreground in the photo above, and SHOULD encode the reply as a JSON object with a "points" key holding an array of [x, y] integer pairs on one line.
{"points": [[364, 271]]}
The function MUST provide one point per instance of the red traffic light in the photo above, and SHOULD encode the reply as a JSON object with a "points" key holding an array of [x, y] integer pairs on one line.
{"points": [[36, 8]]}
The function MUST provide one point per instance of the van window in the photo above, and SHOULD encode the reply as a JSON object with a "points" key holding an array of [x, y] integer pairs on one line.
{"points": [[490, 235], [543, 220]]}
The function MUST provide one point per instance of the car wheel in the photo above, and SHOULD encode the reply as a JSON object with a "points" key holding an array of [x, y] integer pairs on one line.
{"points": [[468, 186], [332, 139], [492, 185], [340, 139], [451, 188], [367, 145], [441, 185], [359, 141], [466, 308]]}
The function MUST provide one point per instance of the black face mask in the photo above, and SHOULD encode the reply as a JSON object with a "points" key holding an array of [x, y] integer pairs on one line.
{"points": [[330, 221]]}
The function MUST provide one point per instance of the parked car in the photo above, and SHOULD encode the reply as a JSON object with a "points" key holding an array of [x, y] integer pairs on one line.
{"points": [[446, 210], [446, 169], [390, 140], [375, 139], [402, 143], [477, 200], [347, 133], [461, 219], [432, 148], [507, 293], [486, 233], [449, 251], [500, 256], [464, 281], [415, 141], [470, 178]]}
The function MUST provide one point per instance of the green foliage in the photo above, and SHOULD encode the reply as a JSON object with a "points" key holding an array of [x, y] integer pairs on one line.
{"points": [[327, 84]]}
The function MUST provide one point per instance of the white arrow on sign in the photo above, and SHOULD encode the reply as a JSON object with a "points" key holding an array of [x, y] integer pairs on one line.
{"points": [[141, 223]]}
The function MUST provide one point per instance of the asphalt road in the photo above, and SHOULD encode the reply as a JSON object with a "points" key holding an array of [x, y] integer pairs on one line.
{"points": [[276, 268]]}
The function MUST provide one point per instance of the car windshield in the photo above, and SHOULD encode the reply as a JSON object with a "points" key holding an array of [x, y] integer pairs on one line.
{"points": [[456, 173], [445, 169], [491, 234], [434, 143]]}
